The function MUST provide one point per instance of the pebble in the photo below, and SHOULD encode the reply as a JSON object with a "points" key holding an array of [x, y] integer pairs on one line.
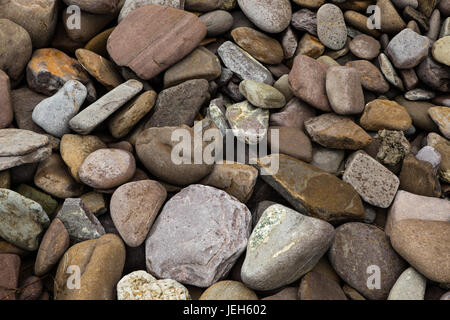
{"points": [[365, 47], [389, 72], [418, 111], [140, 285], [131, 5], [390, 20], [32, 288], [275, 256], [315, 286], [360, 22], [407, 49], [203, 5], [309, 185], [409, 78], [310, 46], [198, 236], [289, 42], [425, 246], [421, 19], [441, 116], [331, 28], [292, 142], [393, 146], [294, 114], [134, 206], [90, 117], [434, 75], [53, 114], [307, 80], [344, 90], [9, 277], [6, 111], [98, 43], [442, 146], [263, 48], [177, 33], [419, 177], [217, 22], [24, 101], [23, 220], [371, 77], [419, 94], [101, 259], [409, 286], [98, 7], [54, 244], [249, 124], [47, 202], [305, 20], [338, 132], [107, 168], [401, 4], [329, 160], [262, 95], [243, 64], [385, 114], [429, 154], [282, 85], [271, 16], [351, 293], [357, 247], [228, 290]]}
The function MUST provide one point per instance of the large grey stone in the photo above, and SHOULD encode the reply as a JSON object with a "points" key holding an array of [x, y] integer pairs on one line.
{"points": [[407, 49]]}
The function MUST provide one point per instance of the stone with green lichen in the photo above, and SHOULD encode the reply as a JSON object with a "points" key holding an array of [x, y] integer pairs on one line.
{"points": [[47, 202]]}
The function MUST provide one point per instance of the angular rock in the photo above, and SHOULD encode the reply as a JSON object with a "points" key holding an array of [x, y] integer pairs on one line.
{"points": [[305, 20], [442, 146], [389, 72], [419, 177], [390, 22], [329, 160], [434, 75], [310, 46], [407, 49], [249, 124]]}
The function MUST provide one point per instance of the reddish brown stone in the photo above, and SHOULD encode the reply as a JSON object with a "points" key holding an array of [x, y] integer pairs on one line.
{"points": [[9, 275]]}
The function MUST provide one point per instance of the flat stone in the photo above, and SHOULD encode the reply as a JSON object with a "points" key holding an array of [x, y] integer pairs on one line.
{"points": [[175, 33], [389, 72], [75, 148], [294, 253], [23, 220], [390, 22], [243, 64], [329, 160], [134, 207], [90, 117], [315, 286], [409, 286], [236, 179], [49, 69], [407, 49], [47, 202], [305, 20], [310, 185], [216, 112], [294, 114], [419, 177], [107, 168], [385, 114], [418, 111], [179, 105], [95, 257], [331, 27], [373, 182], [53, 245], [217, 22], [419, 94], [442, 146], [271, 16], [310, 46], [206, 231], [6, 111], [356, 248], [371, 77], [263, 48], [249, 124], [228, 290], [338, 132], [441, 116], [291, 141], [262, 95], [425, 246], [434, 75], [307, 80], [365, 47], [344, 90], [24, 101], [9, 278], [140, 285], [98, 7], [131, 5], [199, 64]]}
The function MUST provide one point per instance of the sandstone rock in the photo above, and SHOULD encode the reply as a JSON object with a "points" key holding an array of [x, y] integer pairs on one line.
{"points": [[344, 90], [441, 116], [271, 16], [228, 290], [365, 47], [419, 177], [385, 114], [294, 114], [331, 27], [315, 286]]}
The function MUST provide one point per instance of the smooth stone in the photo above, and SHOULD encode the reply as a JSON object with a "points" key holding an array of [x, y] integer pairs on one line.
{"points": [[329, 160], [409, 286], [305, 20], [131, 5], [282, 85], [90, 117], [307, 80], [249, 124], [134, 206], [344, 90], [373, 182], [9, 277], [236, 179], [445, 296], [407, 49], [419, 94], [351, 293], [154, 149], [271, 16], [385, 114], [90, 25], [98, 43], [217, 22], [441, 116], [315, 286], [31, 288], [365, 47], [122, 122], [425, 246], [294, 114], [140, 285], [103, 70], [419, 177], [371, 77], [291, 141], [310, 46], [47, 202], [11, 162], [304, 186], [262, 95], [392, 148], [179, 105], [5, 179], [53, 114], [409, 78], [358, 246], [289, 42], [389, 72], [408, 205], [418, 111], [276, 256], [97, 7], [53, 245], [338, 132], [24, 101], [54, 178], [360, 22], [228, 290], [434, 75], [430, 155], [289, 293], [175, 33], [390, 20], [445, 28], [94, 202], [16, 48], [435, 25], [6, 111], [331, 28], [107, 168], [263, 48], [328, 61], [198, 236], [199, 64], [401, 4], [23, 220], [202, 5], [101, 259], [243, 64]]}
